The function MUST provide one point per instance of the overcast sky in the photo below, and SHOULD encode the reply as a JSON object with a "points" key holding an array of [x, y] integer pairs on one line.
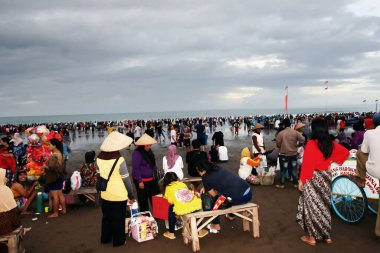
{"points": [[74, 57]]}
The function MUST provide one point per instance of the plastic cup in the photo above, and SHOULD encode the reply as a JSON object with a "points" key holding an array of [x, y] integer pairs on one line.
{"points": [[46, 209]]}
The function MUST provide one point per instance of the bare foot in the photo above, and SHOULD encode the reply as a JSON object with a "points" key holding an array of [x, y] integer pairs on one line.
{"points": [[54, 215], [26, 230]]}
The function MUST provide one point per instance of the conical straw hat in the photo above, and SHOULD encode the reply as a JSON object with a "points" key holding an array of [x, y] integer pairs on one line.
{"points": [[258, 126], [115, 141], [145, 139]]}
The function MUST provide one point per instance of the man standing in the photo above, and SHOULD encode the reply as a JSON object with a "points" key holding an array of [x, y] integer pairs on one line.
{"points": [[287, 141], [201, 132], [368, 160]]}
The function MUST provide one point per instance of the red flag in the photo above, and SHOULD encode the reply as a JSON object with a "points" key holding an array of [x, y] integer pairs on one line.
{"points": [[286, 98]]}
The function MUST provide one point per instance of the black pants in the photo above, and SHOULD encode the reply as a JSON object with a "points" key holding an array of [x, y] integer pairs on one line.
{"points": [[151, 188], [113, 222]]}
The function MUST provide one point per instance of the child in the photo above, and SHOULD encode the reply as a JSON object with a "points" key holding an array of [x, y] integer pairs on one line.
{"points": [[182, 201]]}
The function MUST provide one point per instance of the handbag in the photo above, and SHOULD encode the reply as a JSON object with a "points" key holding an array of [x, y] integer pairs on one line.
{"points": [[210, 203], [101, 183]]}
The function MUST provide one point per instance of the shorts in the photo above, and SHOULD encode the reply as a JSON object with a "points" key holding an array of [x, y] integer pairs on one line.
{"points": [[55, 186]]}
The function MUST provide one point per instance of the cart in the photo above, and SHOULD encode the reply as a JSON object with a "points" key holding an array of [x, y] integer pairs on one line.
{"points": [[349, 201]]}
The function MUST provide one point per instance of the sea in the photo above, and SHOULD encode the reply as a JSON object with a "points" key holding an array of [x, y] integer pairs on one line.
{"points": [[171, 114]]}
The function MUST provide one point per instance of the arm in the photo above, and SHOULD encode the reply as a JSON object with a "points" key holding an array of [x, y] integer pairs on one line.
{"points": [[136, 160], [254, 162], [308, 163], [300, 138], [125, 177], [279, 140]]}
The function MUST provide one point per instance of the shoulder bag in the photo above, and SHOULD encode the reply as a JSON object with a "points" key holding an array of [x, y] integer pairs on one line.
{"points": [[101, 183]]}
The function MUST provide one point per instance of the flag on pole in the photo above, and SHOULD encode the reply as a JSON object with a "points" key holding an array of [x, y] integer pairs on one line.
{"points": [[327, 87], [286, 98]]}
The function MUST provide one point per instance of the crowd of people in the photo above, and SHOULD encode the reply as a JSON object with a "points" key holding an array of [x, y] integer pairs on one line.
{"points": [[304, 150]]}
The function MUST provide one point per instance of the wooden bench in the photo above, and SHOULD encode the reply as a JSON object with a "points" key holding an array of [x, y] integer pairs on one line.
{"points": [[14, 241], [192, 223], [90, 193]]}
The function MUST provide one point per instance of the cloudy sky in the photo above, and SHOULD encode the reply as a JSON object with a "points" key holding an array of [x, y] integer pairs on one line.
{"points": [[76, 57]]}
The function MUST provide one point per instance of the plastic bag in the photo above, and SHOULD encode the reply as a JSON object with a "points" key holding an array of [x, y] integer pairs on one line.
{"points": [[76, 180]]}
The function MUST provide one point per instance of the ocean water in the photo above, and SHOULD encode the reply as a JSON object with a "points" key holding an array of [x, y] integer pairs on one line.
{"points": [[169, 114]]}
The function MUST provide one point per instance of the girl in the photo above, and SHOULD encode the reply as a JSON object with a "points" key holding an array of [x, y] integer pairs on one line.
{"points": [[182, 201]]}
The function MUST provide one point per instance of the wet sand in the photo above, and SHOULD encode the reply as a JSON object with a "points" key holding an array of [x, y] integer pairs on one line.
{"points": [[79, 230]]}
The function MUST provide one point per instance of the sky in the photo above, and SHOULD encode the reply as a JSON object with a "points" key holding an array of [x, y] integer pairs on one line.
{"points": [[82, 57]]}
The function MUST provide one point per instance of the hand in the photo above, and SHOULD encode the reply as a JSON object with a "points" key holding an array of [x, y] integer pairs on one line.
{"points": [[35, 183], [131, 201], [202, 190], [300, 185], [141, 185]]}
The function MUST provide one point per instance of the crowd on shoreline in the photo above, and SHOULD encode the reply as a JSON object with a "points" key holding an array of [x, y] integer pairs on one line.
{"points": [[291, 134]]}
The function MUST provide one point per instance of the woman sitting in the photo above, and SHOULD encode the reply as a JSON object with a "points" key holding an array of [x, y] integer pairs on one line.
{"points": [[173, 162], [247, 165], [23, 193], [214, 179], [88, 170], [182, 201], [9, 214]]}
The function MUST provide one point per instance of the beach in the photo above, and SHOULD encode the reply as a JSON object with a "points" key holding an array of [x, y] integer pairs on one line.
{"points": [[79, 229]]}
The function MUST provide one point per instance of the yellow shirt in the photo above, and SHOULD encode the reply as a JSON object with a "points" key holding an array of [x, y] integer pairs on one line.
{"points": [[116, 190], [183, 199]]}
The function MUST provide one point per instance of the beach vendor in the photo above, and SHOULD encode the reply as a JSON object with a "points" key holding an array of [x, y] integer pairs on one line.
{"points": [[9, 213], [258, 147], [214, 180], [182, 201], [119, 188], [247, 165], [144, 166], [314, 206], [23, 193]]}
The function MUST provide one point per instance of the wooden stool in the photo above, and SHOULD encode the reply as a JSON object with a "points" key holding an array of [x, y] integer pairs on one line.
{"points": [[14, 241]]}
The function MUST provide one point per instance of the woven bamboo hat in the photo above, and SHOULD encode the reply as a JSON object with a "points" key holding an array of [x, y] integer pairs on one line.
{"points": [[145, 140], [300, 125], [258, 126], [115, 141]]}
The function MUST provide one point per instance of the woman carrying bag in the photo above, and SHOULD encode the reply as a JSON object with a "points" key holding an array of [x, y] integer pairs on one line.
{"points": [[145, 171], [118, 190]]}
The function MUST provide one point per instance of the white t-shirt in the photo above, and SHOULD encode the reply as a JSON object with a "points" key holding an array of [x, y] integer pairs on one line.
{"points": [[371, 145], [173, 136], [177, 168], [245, 169], [137, 132], [223, 153]]}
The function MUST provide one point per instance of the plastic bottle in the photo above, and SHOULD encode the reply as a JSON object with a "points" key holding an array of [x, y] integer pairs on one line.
{"points": [[134, 208], [39, 204]]}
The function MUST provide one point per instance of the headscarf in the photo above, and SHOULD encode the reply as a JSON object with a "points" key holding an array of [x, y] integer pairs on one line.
{"points": [[245, 153], [7, 202], [172, 156]]}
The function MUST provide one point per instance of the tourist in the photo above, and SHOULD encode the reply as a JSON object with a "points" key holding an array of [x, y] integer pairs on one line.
{"points": [[314, 215], [144, 165], [193, 156], [119, 188], [172, 162], [247, 164], [88, 170], [23, 193]]}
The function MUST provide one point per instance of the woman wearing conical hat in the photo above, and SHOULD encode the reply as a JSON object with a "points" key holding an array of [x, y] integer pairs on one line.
{"points": [[144, 165]]}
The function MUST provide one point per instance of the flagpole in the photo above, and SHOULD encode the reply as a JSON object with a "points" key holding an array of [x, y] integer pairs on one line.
{"points": [[286, 100], [327, 95], [376, 105]]}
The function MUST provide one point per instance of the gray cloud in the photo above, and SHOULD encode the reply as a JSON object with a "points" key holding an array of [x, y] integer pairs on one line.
{"points": [[69, 57]]}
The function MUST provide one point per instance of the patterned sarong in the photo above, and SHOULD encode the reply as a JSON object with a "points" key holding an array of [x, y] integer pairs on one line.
{"points": [[314, 206]]}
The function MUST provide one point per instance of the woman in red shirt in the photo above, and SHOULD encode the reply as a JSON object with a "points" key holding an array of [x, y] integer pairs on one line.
{"points": [[314, 205]]}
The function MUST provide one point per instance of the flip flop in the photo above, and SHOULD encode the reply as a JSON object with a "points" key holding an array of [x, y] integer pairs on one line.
{"points": [[202, 233], [306, 240], [328, 241], [169, 235], [230, 218]]}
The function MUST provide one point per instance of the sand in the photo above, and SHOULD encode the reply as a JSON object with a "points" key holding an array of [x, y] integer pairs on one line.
{"points": [[79, 230]]}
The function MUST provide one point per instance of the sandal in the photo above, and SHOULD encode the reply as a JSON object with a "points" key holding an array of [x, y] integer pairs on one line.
{"points": [[212, 231], [328, 241], [169, 235], [307, 240], [202, 233], [231, 218], [280, 186]]}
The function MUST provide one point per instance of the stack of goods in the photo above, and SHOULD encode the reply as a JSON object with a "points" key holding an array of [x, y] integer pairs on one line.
{"points": [[266, 175], [143, 227]]}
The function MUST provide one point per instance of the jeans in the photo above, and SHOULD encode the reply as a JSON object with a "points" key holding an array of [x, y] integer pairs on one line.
{"points": [[172, 219], [288, 164]]}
